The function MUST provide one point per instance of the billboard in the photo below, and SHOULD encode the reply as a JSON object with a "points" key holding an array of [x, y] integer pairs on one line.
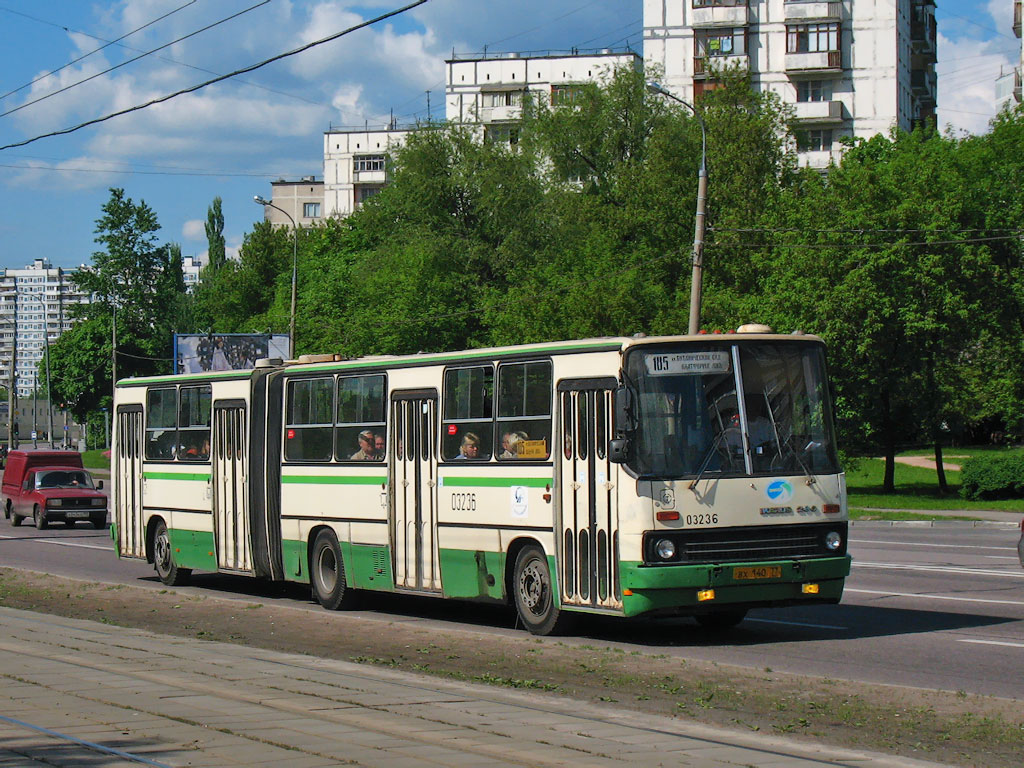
{"points": [[200, 352]]}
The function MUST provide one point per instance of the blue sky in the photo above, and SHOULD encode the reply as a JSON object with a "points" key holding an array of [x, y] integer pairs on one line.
{"points": [[232, 139]]}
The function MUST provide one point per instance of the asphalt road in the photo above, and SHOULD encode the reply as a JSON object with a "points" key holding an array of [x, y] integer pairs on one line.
{"points": [[932, 607]]}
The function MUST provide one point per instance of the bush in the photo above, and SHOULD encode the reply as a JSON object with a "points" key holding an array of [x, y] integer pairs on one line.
{"points": [[991, 476]]}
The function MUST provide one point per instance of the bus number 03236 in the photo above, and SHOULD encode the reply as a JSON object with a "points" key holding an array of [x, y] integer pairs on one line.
{"points": [[464, 502], [702, 519]]}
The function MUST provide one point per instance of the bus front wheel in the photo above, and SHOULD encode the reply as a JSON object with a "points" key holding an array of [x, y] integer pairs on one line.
{"points": [[163, 558], [327, 572], [534, 596]]}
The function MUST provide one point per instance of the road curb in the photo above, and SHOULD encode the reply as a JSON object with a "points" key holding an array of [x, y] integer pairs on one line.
{"points": [[1008, 525]]}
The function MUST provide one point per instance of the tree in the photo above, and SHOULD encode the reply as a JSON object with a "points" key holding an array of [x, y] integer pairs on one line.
{"points": [[216, 255], [134, 283]]}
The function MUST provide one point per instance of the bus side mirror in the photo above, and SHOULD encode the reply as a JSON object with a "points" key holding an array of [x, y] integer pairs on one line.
{"points": [[625, 420], [618, 450]]}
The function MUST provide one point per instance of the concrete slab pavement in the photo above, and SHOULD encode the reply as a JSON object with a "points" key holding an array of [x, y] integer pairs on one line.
{"points": [[80, 693]]}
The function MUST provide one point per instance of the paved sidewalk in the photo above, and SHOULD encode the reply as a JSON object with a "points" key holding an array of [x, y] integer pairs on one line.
{"points": [[71, 689]]}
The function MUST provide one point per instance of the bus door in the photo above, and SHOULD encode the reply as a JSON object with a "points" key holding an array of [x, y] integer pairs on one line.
{"points": [[127, 491], [414, 493], [230, 500], [588, 496]]}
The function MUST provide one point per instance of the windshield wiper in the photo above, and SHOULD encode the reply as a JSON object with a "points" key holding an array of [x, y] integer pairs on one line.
{"points": [[706, 460]]}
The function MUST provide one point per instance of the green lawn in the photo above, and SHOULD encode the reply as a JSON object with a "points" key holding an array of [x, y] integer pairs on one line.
{"points": [[95, 460], [916, 487]]}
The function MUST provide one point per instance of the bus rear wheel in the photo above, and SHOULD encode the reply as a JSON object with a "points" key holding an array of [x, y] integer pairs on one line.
{"points": [[534, 596], [327, 572], [163, 559]]}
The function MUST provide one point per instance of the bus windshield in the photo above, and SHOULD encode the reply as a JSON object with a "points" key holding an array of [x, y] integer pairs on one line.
{"points": [[731, 409]]}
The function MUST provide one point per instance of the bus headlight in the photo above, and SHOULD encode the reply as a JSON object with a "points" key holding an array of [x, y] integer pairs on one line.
{"points": [[666, 549], [833, 541]]}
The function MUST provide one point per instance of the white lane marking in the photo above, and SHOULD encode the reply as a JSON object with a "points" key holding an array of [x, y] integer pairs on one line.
{"points": [[923, 544], [993, 642], [797, 624], [58, 543], [933, 597], [1014, 574], [999, 557]]}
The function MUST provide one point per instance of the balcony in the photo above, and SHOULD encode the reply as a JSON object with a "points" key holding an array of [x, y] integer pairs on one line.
{"points": [[721, 15], [923, 83], [1008, 88], [1017, 17], [800, 10], [706, 66], [818, 62], [923, 30], [819, 112]]}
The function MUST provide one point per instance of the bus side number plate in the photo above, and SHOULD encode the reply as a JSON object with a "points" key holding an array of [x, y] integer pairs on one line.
{"points": [[763, 572]]}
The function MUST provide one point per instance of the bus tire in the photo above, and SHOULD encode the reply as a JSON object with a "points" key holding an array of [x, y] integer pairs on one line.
{"points": [[40, 518], [721, 619], [534, 596], [163, 559], [327, 573]]}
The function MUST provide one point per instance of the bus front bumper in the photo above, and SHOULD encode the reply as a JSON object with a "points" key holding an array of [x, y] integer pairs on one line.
{"points": [[705, 587]]}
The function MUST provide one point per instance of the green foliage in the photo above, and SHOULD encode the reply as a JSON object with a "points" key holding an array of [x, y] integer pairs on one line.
{"points": [[215, 236], [993, 476]]}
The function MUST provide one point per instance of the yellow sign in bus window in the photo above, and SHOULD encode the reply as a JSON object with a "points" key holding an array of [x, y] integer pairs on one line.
{"points": [[532, 449]]}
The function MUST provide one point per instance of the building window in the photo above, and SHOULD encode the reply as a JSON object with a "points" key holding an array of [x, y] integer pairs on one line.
{"points": [[362, 163], [721, 42], [565, 94], [311, 210], [814, 90], [812, 38], [814, 140], [501, 98], [724, 3], [501, 133], [365, 193]]}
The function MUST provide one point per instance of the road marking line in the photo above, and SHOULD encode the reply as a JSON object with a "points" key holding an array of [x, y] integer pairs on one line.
{"points": [[922, 544], [993, 642], [797, 623], [57, 543], [1015, 574], [934, 597]]}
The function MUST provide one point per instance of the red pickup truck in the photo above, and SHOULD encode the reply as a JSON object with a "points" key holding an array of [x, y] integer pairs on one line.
{"points": [[51, 486]]}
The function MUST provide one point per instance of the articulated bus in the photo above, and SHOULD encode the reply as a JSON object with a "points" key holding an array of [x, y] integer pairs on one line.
{"points": [[692, 475]]}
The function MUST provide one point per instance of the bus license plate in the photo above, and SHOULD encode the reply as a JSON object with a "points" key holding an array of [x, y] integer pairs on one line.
{"points": [[764, 572], [76, 514]]}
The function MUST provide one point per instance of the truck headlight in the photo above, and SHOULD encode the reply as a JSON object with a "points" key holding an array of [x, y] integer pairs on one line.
{"points": [[833, 541], [54, 502], [99, 502]]}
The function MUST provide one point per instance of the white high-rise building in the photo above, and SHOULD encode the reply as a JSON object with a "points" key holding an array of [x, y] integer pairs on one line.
{"points": [[36, 301], [847, 67], [483, 90]]}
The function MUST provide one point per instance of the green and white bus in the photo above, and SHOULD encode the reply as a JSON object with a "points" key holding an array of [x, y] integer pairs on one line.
{"points": [[688, 475]]}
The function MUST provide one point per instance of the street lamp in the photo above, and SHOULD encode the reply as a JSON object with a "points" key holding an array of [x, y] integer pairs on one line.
{"points": [[702, 198], [295, 256]]}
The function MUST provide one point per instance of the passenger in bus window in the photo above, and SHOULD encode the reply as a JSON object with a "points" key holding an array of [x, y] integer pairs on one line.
{"points": [[510, 444], [469, 448], [367, 447], [378, 446]]}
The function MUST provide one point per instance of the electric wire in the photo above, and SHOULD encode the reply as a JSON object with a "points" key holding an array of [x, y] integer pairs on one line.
{"points": [[133, 60], [106, 44], [221, 78]]}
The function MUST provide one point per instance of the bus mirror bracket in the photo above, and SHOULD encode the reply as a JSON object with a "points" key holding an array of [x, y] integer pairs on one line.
{"points": [[625, 420], [618, 450]]}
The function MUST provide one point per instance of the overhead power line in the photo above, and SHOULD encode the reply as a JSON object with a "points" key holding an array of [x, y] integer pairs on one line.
{"points": [[133, 60], [221, 78], [107, 44]]}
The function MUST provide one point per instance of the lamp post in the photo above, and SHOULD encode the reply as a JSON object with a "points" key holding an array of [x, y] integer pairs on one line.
{"points": [[295, 256], [696, 282]]}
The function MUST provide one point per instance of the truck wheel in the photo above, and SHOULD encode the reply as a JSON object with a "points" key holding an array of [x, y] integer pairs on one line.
{"points": [[534, 597], [327, 572], [99, 522], [163, 559], [40, 518]]}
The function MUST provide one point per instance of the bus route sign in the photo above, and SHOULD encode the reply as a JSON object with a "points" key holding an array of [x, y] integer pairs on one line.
{"points": [[687, 363]]}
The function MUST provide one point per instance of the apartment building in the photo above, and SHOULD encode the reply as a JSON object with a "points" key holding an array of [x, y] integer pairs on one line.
{"points": [[35, 305], [483, 90], [847, 67], [303, 200], [1008, 85]]}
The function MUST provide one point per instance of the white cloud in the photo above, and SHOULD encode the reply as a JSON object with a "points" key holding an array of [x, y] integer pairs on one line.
{"points": [[194, 229], [967, 71]]}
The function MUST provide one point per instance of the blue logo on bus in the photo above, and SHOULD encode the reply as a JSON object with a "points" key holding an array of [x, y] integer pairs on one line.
{"points": [[779, 490]]}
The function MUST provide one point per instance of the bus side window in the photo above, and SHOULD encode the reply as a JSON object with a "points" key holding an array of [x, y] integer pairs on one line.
{"points": [[310, 420], [360, 432], [524, 411], [161, 423], [468, 413], [194, 423]]}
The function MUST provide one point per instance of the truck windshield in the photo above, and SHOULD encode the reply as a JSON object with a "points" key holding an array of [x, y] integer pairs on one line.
{"points": [[751, 407], [63, 479]]}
